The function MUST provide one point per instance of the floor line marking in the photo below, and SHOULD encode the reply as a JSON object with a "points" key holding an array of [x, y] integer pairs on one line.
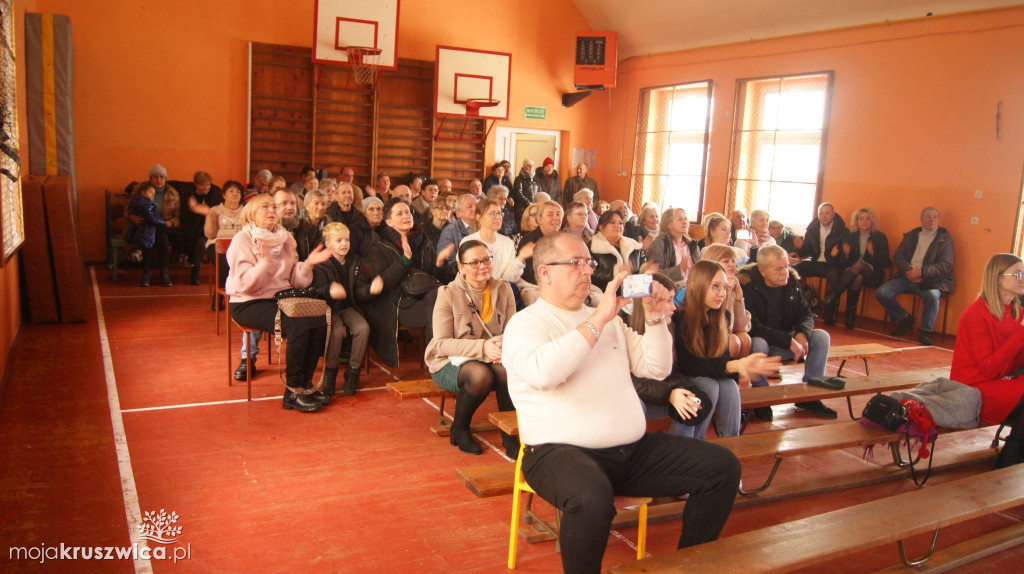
{"points": [[129, 493], [214, 403]]}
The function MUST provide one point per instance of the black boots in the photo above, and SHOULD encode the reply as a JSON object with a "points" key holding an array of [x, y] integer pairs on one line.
{"points": [[351, 380], [330, 381], [828, 305], [1013, 445], [852, 298], [465, 405], [301, 403], [240, 371]]}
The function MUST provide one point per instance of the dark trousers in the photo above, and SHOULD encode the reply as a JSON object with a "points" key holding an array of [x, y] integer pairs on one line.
{"points": [[582, 482], [808, 268], [307, 337], [161, 251]]}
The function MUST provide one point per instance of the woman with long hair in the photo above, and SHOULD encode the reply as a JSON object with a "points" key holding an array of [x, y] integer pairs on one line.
{"points": [[739, 321], [702, 347], [989, 350], [464, 357], [263, 260], [865, 257]]}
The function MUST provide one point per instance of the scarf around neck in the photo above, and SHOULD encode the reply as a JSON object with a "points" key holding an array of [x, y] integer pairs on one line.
{"points": [[274, 239]]}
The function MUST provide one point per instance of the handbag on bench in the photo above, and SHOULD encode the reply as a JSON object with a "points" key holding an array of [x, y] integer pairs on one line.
{"points": [[907, 417]]}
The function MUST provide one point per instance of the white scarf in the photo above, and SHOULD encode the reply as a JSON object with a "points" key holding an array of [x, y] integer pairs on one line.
{"points": [[274, 239]]}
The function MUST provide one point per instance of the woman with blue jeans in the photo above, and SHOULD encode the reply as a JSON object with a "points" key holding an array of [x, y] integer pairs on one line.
{"points": [[702, 348]]}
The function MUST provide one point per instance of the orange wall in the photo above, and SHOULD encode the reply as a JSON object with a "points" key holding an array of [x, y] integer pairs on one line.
{"points": [[912, 122], [10, 296], [166, 81]]}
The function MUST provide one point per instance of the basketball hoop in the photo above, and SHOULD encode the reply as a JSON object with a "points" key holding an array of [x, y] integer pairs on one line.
{"points": [[473, 106], [363, 61]]}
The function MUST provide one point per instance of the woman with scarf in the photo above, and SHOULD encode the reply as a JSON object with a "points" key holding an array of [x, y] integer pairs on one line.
{"points": [[263, 260]]}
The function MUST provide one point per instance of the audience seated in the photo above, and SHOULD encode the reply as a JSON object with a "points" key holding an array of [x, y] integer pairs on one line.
{"points": [[586, 197], [781, 323], [740, 226], [630, 228], [464, 224], [820, 253], [381, 189], [262, 261], [343, 210], [476, 189], [578, 182], [373, 210], [505, 264], [307, 173], [579, 415], [222, 222], [509, 225], [342, 281], [924, 267], [403, 193], [549, 221], [717, 229], [197, 197], [549, 181], [143, 228], [411, 268], [260, 184], [673, 251], [437, 218], [739, 319], [865, 257], [612, 251], [759, 234], [423, 202], [785, 238], [702, 345], [576, 220], [649, 219], [464, 357], [168, 208], [498, 176]]}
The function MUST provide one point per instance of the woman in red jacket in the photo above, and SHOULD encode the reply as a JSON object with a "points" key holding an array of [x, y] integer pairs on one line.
{"points": [[989, 351]]}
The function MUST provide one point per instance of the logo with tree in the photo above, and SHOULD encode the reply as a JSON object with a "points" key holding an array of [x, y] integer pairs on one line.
{"points": [[158, 527]]}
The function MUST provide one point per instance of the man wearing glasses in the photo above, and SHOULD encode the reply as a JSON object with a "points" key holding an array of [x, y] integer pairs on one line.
{"points": [[924, 267], [569, 376], [457, 230]]}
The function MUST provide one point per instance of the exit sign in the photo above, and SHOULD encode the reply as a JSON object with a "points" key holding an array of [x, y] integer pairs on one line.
{"points": [[535, 113]]}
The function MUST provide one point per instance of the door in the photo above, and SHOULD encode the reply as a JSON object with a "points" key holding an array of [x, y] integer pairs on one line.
{"points": [[533, 146]]}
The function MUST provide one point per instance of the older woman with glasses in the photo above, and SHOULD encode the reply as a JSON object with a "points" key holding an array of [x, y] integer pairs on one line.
{"points": [[507, 265], [464, 357], [989, 350], [438, 218]]}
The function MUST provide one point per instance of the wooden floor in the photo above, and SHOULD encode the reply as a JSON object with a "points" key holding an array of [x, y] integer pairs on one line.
{"points": [[362, 486]]}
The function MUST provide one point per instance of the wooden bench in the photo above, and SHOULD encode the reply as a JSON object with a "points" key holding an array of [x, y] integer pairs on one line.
{"points": [[864, 351], [423, 388], [809, 541], [496, 479]]}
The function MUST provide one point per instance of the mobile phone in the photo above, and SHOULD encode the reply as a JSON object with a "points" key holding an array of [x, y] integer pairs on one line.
{"points": [[636, 286]]}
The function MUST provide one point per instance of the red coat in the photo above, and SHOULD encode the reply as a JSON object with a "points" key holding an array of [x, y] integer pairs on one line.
{"points": [[986, 351]]}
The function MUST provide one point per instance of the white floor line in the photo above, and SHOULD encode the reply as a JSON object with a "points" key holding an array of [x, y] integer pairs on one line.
{"points": [[628, 542], [124, 462], [161, 296], [228, 402]]}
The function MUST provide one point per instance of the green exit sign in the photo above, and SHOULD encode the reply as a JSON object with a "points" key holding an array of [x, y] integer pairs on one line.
{"points": [[535, 113]]}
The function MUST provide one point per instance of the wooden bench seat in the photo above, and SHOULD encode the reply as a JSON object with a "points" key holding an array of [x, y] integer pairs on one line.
{"points": [[424, 388], [863, 351], [809, 541]]}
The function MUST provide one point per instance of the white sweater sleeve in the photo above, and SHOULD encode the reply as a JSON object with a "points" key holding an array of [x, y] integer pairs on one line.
{"points": [[650, 354], [541, 360]]}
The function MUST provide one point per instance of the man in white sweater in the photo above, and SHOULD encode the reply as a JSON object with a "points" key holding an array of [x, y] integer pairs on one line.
{"points": [[581, 419]]}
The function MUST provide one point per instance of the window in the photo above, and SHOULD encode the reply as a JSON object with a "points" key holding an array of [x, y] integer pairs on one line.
{"points": [[670, 159], [778, 146]]}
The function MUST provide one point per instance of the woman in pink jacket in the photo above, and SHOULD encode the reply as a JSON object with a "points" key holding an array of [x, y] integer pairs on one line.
{"points": [[262, 261]]}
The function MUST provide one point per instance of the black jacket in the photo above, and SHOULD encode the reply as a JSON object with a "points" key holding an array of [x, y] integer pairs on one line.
{"points": [[352, 277], [878, 258], [358, 228], [386, 259], [550, 184], [812, 241], [307, 237], [796, 314], [937, 268], [523, 190]]}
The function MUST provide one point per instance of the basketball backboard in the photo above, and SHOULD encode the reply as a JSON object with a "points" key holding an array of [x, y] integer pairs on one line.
{"points": [[462, 74], [343, 23]]}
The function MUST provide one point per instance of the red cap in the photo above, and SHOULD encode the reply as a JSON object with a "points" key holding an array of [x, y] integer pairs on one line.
{"points": [[548, 161]]}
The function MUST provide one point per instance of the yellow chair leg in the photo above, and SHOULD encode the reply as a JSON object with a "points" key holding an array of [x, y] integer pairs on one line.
{"points": [[641, 534], [513, 537]]}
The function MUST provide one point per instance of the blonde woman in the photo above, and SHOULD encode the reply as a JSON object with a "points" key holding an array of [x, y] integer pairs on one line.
{"points": [[864, 258]]}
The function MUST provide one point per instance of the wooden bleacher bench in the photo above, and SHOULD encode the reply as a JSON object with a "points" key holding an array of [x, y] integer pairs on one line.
{"points": [[423, 388], [809, 541], [864, 351], [496, 479]]}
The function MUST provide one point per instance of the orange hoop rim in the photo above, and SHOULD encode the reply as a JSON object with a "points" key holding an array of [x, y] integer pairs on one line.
{"points": [[357, 53], [473, 105]]}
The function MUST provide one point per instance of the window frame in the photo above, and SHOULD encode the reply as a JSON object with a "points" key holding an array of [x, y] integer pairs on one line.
{"points": [[637, 200], [730, 185]]}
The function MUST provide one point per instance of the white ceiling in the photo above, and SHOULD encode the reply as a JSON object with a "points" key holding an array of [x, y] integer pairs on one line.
{"points": [[655, 26]]}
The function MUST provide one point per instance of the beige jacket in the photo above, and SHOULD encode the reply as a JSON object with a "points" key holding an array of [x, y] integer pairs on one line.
{"points": [[457, 330]]}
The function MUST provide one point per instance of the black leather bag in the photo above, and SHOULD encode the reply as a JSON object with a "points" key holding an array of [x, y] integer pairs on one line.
{"points": [[418, 283], [886, 412]]}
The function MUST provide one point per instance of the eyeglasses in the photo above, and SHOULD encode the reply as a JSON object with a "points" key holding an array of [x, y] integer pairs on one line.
{"points": [[493, 214], [576, 262], [486, 262], [1018, 275]]}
